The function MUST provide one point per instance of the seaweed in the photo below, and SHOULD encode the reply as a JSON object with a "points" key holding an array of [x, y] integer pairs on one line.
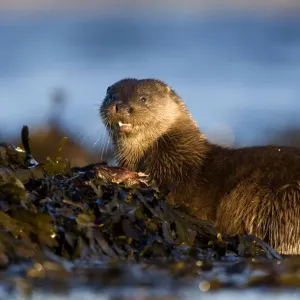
{"points": [[53, 217]]}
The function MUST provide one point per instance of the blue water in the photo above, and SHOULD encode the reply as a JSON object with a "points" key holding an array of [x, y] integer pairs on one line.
{"points": [[238, 72]]}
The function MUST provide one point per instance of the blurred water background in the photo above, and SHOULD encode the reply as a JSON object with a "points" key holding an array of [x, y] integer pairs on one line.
{"points": [[236, 64]]}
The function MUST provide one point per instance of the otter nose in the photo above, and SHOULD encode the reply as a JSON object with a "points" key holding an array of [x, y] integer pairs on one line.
{"points": [[122, 108]]}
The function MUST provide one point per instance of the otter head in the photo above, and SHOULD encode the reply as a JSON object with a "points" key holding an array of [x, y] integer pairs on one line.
{"points": [[140, 110], [152, 130]]}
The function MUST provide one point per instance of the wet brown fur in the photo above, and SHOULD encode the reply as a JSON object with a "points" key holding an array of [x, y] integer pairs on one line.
{"points": [[254, 190]]}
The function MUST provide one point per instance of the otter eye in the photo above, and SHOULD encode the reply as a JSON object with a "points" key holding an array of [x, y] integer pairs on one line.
{"points": [[143, 99]]}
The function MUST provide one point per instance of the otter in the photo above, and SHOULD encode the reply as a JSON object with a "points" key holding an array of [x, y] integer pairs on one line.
{"points": [[251, 190]]}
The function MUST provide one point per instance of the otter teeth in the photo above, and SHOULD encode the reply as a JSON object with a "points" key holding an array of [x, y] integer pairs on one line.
{"points": [[125, 127], [123, 124]]}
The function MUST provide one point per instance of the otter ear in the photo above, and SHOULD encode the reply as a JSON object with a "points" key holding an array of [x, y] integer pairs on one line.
{"points": [[170, 91]]}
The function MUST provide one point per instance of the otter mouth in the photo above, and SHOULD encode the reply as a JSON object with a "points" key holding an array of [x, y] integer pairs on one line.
{"points": [[125, 127]]}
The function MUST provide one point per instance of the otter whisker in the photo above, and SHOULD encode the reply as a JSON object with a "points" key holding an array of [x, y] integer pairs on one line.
{"points": [[104, 146], [97, 140], [85, 136], [107, 144], [101, 139], [78, 136]]}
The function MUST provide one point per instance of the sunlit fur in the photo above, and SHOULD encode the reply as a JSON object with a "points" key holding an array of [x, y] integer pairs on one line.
{"points": [[147, 132], [253, 190]]}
